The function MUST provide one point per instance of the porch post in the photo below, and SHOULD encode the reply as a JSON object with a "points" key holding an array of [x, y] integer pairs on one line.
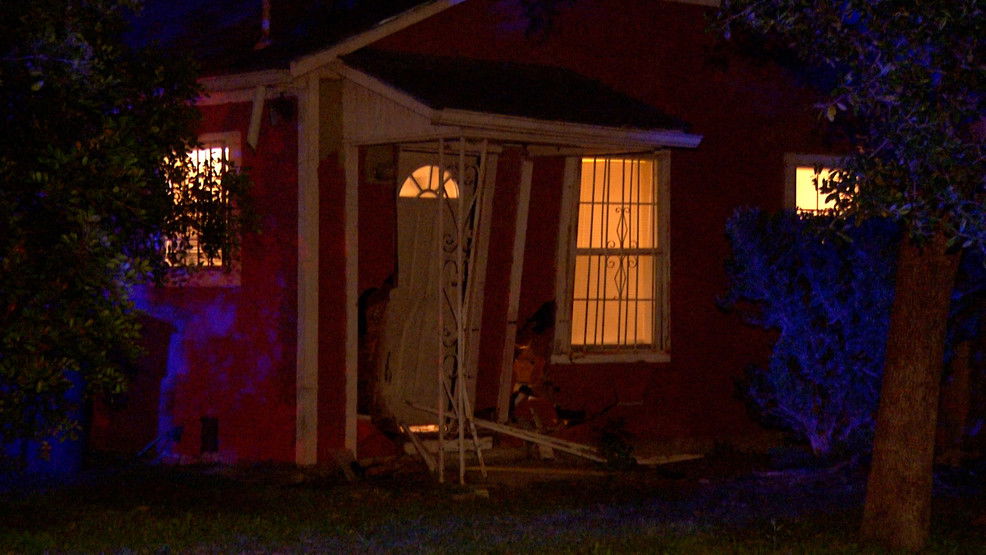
{"points": [[513, 298], [306, 381], [350, 160]]}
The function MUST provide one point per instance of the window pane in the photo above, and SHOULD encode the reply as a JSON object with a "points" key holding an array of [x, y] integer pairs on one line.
{"points": [[629, 180], [207, 167], [619, 226], [614, 301], [423, 183], [807, 197]]}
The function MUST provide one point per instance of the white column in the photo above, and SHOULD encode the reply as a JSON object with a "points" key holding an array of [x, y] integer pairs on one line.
{"points": [[306, 383]]}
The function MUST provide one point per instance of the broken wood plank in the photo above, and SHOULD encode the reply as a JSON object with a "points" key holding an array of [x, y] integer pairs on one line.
{"points": [[570, 447], [542, 471], [419, 447], [657, 460], [485, 443]]}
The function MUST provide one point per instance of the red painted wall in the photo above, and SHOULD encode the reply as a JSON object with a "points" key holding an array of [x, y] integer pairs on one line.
{"points": [[750, 113], [229, 352]]}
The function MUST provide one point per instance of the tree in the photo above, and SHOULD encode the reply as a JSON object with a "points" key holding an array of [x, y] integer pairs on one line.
{"points": [[907, 77], [94, 134]]}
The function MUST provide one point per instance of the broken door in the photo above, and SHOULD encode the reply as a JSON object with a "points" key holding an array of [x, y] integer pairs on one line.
{"points": [[423, 312]]}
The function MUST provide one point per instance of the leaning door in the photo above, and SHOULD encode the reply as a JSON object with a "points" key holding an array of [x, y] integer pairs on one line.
{"points": [[421, 317]]}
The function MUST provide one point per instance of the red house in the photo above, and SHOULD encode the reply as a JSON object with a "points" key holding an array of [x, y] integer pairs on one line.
{"points": [[440, 186]]}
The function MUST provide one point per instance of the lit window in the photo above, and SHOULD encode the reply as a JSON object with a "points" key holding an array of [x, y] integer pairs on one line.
{"points": [[423, 183], [807, 196], [802, 182], [617, 260], [203, 184]]}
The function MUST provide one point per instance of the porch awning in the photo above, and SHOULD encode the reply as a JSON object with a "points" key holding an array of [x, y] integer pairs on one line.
{"points": [[520, 98]]}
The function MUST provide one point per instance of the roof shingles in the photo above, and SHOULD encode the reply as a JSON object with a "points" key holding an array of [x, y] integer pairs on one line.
{"points": [[508, 88]]}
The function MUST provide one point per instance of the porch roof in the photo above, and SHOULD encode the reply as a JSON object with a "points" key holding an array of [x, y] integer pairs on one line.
{"points": [[534, 92]]}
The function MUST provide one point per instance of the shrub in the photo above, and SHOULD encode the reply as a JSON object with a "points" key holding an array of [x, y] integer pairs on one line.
{"points": [[827, 293]]}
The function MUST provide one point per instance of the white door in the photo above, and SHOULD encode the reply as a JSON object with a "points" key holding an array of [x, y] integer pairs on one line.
{"points": [[413, 346]]}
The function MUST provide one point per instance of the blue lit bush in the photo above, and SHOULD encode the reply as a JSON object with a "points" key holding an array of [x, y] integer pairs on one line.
{"points": [[827, 294]]}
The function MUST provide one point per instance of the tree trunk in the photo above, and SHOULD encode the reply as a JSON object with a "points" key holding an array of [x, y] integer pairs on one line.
{"points": [[897, 513]]}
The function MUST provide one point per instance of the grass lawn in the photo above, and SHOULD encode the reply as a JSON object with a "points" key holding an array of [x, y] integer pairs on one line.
{"points": [[700, 509]]}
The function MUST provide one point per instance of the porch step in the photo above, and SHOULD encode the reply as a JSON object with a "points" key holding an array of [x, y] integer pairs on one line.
{"points": [[451, 446]]}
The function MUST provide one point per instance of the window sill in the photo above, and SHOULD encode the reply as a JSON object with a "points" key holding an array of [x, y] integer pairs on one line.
{"points": [[606, 358]]}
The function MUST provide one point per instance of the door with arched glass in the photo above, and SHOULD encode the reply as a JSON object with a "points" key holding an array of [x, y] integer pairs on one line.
{"points": [[414, 343]]}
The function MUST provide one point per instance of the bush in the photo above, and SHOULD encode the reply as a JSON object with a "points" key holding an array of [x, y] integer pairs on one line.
{"points": [[827, 293]]}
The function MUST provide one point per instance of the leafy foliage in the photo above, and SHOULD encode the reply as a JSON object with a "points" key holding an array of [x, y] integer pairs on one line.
{"points": [[85, 199], [828, 296], [909, 81]]}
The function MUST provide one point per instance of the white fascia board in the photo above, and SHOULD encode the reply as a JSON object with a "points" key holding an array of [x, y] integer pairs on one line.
{"points": [[383, 29], [565, 132], [516, 128], [240, 87]]}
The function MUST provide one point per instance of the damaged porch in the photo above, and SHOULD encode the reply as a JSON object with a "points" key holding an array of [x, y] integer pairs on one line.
{"points": [[452, 204]]}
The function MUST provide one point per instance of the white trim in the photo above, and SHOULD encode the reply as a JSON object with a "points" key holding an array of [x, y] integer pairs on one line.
{"points": [[351, 163], [383, 29], [566, 245], [513, 297], [241, 95], [568, 133], [476, 287], [256, 111], [452, 123], [242, 87], [306, 385], [563, 352], [246, 81], [791, 163]]}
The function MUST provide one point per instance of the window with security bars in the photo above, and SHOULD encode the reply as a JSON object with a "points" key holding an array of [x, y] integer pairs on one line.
{"points": [[204, 185], [616, 285]]}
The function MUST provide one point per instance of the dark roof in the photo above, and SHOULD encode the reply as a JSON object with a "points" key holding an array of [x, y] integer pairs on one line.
{"points": [[506, 88], [221, 34]]}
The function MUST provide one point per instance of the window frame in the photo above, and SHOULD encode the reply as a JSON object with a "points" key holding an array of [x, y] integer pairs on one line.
{"points": [[222, 275], [563, 352], [793, 161]]}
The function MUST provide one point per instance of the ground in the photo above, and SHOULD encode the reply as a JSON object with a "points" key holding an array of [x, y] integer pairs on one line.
{"points": [[725, 502]]}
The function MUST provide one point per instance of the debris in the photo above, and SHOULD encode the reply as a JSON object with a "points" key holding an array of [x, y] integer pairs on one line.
{"points": [[431, 445], [347, 463], [666, 459], [419, 447]]}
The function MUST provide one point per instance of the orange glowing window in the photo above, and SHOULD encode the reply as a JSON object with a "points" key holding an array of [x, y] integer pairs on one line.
{"points": [[423, 183], [616, 285], [807, 196], [207, 165]]}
